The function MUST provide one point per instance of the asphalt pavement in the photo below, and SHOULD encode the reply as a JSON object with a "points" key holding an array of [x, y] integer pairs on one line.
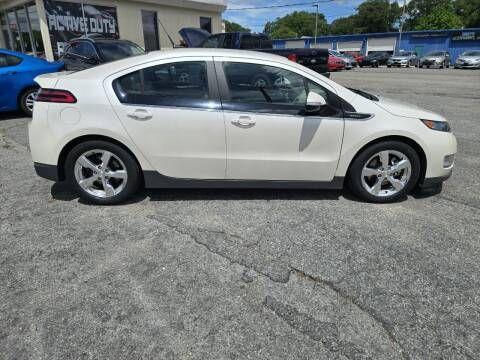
{"points": [[247, 274]]}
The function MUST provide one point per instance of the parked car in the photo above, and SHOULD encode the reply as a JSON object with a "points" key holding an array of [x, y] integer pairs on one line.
{"points": [[335, 63], [440, 59], [375, 59], [468, 60], [356, 55], [85, 52], [349, 61], [403, 59], [315, 59], [17, 87], [143, 121]]}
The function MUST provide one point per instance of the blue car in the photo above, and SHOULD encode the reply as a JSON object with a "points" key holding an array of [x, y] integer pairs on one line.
{"points": [[17, 71]]}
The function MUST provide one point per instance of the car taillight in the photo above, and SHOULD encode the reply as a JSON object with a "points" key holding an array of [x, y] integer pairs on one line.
{"points": [[56, 96], [292, 57]]}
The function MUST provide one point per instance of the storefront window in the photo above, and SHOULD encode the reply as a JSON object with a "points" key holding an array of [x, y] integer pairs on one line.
{"points": [[23, 29], [35, 26], [13, 26]]}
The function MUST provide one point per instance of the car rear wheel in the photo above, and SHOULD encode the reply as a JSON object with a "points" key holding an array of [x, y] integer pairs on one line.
{"points": [[384, 172], [27, 100], [102, 172]]}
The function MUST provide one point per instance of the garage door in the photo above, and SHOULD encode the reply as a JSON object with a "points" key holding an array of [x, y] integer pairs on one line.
{"points": [[293, 44], [321, 45], [349, 46], [381, 44]]}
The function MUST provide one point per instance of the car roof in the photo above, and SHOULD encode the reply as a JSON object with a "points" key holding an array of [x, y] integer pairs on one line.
{"points": [[11, 52], [119, 65]]}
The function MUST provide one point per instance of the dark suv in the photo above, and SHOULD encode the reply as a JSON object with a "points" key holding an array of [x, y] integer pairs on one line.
{"points": [[85, 52]]}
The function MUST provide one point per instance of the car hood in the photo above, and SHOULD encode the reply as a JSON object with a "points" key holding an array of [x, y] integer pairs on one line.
{"points": [[399, 108], [469, 58], [400, 57], [433, 58], [193, 37]]}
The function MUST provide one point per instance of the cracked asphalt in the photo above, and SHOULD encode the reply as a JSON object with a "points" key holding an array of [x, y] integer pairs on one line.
{"points": [[242, 274]]}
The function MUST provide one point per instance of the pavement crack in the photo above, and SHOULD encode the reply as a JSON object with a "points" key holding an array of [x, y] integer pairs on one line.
{"points": [[277, 278], [372, 313]]}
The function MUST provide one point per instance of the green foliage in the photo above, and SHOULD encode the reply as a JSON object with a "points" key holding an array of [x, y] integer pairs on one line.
{"points": [[231, 26], [468, 11], [441, 17], [377, 16], [296, 24], [345, 25]]}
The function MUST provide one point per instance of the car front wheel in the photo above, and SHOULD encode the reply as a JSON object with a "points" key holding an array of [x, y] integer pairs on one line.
{"points": [[27, 100], [102, 172], [384, 172]]}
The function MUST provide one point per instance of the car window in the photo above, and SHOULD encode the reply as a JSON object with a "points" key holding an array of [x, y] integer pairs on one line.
{"points": [[111, 51], [214, 41], [263, 88], [255, 42], [175, 84], [82, 48], [9, 60]]}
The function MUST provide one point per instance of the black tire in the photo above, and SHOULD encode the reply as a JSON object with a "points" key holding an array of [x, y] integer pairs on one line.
{"points": [[131, 166], [354, 180], [26, 95], [389, 66]]}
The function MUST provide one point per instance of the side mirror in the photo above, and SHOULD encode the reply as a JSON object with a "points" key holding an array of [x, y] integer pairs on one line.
{"points": [[314, 102]]}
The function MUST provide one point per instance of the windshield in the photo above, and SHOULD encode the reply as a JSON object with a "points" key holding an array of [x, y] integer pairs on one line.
{"points": [[336, 53], [405, 53], [472, 53], [435, 53], [115, 50]]}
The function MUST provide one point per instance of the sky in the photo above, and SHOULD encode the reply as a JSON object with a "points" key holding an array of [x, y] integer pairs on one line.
{"points": [[255, 19]]}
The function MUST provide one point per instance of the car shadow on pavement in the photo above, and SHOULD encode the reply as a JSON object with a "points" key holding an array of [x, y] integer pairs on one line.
{"points": [[61, 191], [10, 115]]}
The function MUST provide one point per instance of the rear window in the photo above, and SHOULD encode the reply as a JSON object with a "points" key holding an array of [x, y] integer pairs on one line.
{"points": [[255, 42], [111, 51]]}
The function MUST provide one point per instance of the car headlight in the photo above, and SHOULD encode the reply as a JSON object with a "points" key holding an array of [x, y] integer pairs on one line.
{"points": [[437, 125]]}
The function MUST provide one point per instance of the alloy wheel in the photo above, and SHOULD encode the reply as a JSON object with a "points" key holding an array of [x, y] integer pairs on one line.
{"points": [[30, 100], [386, 173], [100, 173]]}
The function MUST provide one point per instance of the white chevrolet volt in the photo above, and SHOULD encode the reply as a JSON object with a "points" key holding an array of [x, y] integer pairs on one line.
{"points": [[198, 118]]}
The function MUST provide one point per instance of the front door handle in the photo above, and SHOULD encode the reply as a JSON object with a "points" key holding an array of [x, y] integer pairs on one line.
{"points": [[140, 114], [244, 121]]}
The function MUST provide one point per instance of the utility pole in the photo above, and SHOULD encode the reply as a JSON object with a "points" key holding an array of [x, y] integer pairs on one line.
{"points": [[316, 23], [401, 24]]}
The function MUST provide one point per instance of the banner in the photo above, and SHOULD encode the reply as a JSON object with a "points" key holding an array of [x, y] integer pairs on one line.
{"points": [[68, 20]]}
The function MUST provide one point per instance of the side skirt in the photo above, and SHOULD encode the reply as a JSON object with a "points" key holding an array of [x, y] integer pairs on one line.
{"points": [[154, 180]]}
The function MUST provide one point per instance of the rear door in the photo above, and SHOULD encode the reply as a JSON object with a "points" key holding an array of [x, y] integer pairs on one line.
{"points": [[9, 76], [269, 136], [172, 112]]}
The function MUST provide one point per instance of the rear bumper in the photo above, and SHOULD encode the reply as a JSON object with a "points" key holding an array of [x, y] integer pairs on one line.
{"points": [[46, 171]]}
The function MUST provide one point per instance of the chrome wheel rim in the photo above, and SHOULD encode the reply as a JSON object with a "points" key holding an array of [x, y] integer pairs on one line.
{"points": [[386, 173], [30, 100], [100, 173]]}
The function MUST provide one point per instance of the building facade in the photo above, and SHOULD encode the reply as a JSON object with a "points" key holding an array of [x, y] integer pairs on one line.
{"points": [[42, 27], [454, 41]]}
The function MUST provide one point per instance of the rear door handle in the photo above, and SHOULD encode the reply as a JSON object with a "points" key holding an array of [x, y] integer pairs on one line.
{"points": [[244, 121], [140, 114]]}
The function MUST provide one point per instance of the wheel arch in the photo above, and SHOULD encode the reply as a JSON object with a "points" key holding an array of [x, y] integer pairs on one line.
{"points": [[80, 139], [418, 149], [22, 91]]}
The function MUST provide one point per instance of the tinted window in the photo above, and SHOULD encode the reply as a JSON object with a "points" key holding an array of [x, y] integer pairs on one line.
{"points": [[9, 60], [175, 84], [262, 88], [214, 41], [206, 24], [115, 50], [82, 48], [255, 42]]}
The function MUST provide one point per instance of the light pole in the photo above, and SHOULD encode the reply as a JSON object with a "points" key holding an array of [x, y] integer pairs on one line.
{"points": [[316, 23], [401, 25]]}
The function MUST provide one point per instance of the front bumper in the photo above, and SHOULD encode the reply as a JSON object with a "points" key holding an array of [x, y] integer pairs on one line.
{"points": [[46, 171], [429, 183], [467, 66]]}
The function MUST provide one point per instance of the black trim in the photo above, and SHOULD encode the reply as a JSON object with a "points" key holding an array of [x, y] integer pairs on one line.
{"points": [[46, 171], [435, 181], [153, 180]]}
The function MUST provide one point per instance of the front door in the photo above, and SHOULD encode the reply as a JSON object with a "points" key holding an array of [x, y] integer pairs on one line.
{"points": [[172, 113], [8, 81], [269, 135]]}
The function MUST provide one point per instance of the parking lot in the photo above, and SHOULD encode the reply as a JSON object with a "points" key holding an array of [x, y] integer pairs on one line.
{"points": [[248, 274]]}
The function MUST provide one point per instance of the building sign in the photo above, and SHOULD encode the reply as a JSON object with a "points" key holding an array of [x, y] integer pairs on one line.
{"points": [[466, 35], [68, 20]]}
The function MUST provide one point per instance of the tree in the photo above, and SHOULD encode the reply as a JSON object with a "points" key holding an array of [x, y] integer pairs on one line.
{"points": [[441, 17], [231, 26], [377, 16], [345, 25], [468, 11], [296, 24]]}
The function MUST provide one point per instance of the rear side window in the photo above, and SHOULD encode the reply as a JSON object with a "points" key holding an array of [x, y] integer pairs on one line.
{"points": [[182, 84], [255, 42], [9, 60], [82, 48]]}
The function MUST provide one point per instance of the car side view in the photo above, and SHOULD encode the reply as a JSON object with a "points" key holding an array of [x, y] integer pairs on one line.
{"points": [[197, 118], [17, 87]]}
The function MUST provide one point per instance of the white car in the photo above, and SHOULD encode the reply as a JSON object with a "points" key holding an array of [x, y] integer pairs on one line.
{"points": [[218, 118]]}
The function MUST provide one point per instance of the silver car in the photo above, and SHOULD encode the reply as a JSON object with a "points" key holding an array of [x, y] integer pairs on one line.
{"points": [[350, 62], [440, 59], [403, 59], [468, 60]]}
